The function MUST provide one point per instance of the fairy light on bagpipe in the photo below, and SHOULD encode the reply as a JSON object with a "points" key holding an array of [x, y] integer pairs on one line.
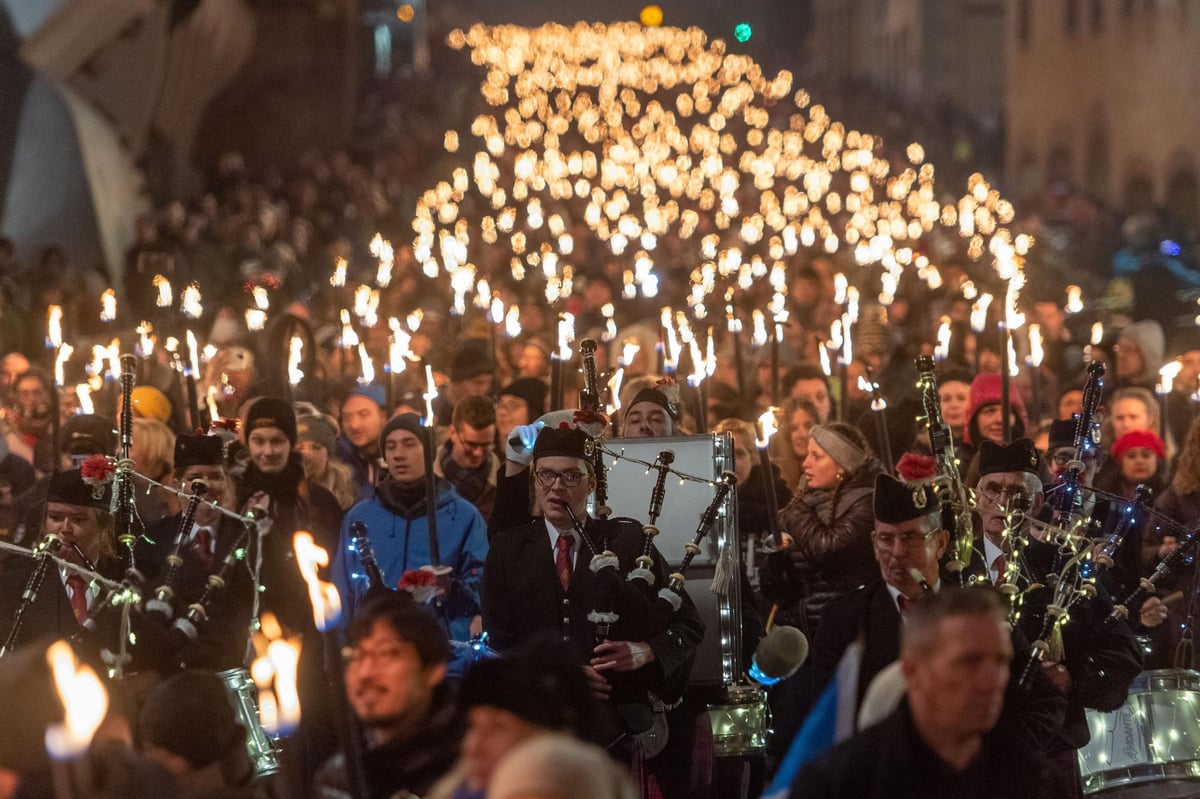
{"points": [[165, 294], [108, 306]]}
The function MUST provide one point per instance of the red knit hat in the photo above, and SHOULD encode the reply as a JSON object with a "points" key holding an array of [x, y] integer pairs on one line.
{"points": [[986, 390], [1139, 439]]}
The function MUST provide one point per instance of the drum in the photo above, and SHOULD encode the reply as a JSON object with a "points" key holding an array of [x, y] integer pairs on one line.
{"points": [[240, 689], [1151, 746], [629, 489]]}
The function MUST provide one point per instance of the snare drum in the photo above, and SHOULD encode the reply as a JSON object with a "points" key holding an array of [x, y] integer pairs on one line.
{"points": [[240, 689], [1151, 746]]}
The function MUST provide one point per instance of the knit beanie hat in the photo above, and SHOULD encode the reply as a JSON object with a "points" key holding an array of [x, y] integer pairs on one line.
{"points": [[847, 454], [986, 390], [272, 412], [530, 389], [317, 430], [402, 421]]}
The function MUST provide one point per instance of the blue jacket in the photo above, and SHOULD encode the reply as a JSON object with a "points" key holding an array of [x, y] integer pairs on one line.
{"points": [[400, 538], [364, 471]]}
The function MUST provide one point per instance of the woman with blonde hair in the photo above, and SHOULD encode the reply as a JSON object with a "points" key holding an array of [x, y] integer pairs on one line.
{"points": [[153, 455]]}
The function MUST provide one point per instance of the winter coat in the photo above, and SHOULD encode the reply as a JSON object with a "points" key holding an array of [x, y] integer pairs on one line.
{"points": [[399, 537], [831, 550]]}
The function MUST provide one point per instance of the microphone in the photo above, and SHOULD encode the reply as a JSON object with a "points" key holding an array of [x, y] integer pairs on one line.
{"points": [[778, 655]]}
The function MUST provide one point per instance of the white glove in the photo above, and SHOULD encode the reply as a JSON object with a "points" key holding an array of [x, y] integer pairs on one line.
{"points": [[520, 442]]}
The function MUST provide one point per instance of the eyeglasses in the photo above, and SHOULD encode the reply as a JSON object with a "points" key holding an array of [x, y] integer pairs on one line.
{"points": [[992, 492], [546, 478], [510, 404], [476, 446], [358, 656], [1063, 458], [907, 540]]}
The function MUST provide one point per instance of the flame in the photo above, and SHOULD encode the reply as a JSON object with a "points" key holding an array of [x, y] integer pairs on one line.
{"points": [[382, 249], [759, 336], [413, 320], [823, 351], [1167, 375], [256, 319], [349, 336], [366, 305], [114, 359], [262, 300], [368, 367], [213, 413], [566, 335], [1097, 334], [698, 365], [274, 672], [942, 351], [1013, 371], [630, 348], [840, 286], [710, 356], [190, 303], [326, 602], [295, 358], [193, 353], [1074, 299], [146, 339], [512, 322], [84, 393], [338, 278], [60, 362], [979, 312], [84, 701], [165, 293], [614, 390], [54, 316], [108, 306], [430, 395], [766, 423], [1036, 353], [846, 356], [398, 348]]}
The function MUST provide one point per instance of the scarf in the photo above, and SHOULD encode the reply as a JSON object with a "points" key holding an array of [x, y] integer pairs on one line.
{"points": [[470, 482]]}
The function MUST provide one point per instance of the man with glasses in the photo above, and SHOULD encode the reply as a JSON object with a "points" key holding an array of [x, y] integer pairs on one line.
{"points": [[467, 460], [909, 541], [538, 578], [1096, 661], [398, 530], [396, 666]]}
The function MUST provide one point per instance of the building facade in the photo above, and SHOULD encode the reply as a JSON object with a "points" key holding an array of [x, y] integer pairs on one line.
{"points": [[1104, 95]]}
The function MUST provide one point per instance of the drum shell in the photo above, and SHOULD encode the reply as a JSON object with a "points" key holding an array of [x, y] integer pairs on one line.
{"points": [[1151, 746]]}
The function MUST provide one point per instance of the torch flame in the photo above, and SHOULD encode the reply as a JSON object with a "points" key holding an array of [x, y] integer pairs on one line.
{"points": [[326, 602], [54, 316], [193, 353], [190, 304], [165, 292], [338, 279], [83, 698], [368, 367], [614, 390], [60, 362], [430, 395], [1074, 299], [766, 423], [274, 674], [84, 393], [295, 358], [566, 335], [512, 322], [108, 306], [942, 351], [979, 312], [1097, 334], [823, 351], [1167, 375], [629, 350], [146, 339], [1036, 353]]}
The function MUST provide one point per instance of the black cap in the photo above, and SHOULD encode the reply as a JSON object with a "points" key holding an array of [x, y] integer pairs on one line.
{"points": [[563, 441], [1062, 433], [530, 389], [657, 397], [69, 488], [472, 359], [272, 412], [1019, 456], [401, 421], [198, 451], [897, 501], [190, 715], [88, 434]]}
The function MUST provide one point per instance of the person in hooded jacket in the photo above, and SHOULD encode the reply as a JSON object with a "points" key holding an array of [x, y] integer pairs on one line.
{"points": [[398, 531]]}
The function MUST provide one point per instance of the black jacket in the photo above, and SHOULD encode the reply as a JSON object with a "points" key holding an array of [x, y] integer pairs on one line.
{"points": [[890, 761]]}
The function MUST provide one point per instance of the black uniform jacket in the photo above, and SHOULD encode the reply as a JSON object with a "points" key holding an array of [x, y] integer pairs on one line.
{"points": [[522, 597]]}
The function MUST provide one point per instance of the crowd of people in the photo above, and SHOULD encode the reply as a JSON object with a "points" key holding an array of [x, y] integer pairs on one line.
{"points": [[490, 643]]}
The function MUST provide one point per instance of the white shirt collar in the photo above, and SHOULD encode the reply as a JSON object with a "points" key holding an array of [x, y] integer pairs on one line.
{"points": [[895, 592]]}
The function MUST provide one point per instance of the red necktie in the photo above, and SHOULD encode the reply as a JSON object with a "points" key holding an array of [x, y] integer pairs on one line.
{"points": [[203, 545], [998, 566], [905, 604], [562, 559], [77, 587]]}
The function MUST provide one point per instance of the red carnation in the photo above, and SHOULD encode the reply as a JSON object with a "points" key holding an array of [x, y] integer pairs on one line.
{"points": [[226, 423], [914, 468], [417, 578], [97, 469], [590, 417]]}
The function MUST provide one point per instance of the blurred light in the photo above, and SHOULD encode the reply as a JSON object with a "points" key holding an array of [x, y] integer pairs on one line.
{"points": [[1170, 248], [405, 13], [742, 32], [651, 16]]}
